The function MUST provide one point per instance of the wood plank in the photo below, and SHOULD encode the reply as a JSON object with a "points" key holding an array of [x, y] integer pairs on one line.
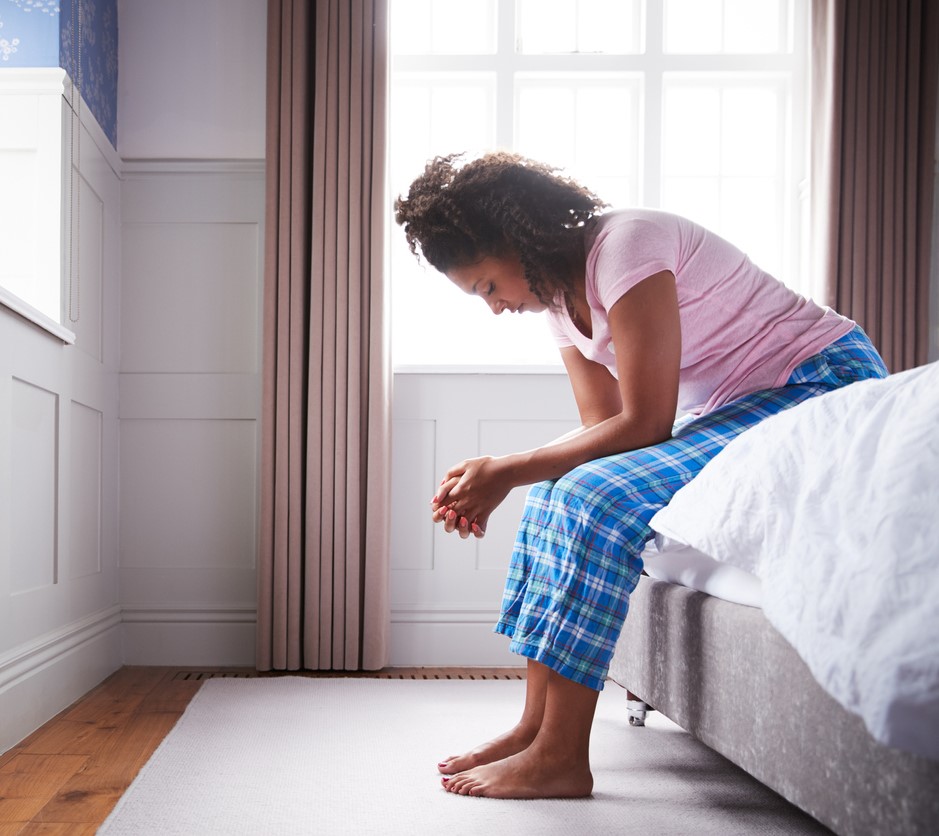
{"points": [[58, 829], [28, 782], [89, 795]]}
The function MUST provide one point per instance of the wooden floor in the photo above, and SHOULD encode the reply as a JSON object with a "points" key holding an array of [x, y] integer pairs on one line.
{"points": [[67, 776]]}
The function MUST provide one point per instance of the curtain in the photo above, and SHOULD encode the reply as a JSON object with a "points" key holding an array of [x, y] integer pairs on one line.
{"points": [[874, 84], [325, 452]]}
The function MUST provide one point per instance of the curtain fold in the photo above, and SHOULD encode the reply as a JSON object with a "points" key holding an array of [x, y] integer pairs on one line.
{"points": [[874, 83], [325, 445]]}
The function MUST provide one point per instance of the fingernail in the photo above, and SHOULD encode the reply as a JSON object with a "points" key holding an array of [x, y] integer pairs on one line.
{"points": [[435, 499], [451, 515]]}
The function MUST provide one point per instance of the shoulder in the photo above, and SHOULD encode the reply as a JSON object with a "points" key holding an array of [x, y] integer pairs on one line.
{"points": [[629, 245], [635, 226]]}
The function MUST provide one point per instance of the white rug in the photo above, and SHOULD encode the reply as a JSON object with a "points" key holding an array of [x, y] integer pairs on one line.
{"points": [[295, 755]]}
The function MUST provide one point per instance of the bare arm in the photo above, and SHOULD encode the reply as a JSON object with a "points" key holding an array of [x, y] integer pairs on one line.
{"points": [[636, 411]]}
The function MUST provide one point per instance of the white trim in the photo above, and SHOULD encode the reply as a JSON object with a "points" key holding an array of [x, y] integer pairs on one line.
{"points": [[468, 369], [444, 615], [33, 80], [44, 651], [165, 614], [91, 125], [35, 316], [136, 168]]}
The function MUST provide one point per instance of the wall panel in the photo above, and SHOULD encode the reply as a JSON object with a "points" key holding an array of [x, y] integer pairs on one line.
{"points": [[445, 591], [86, 450], [190, 315], [34, 475], [59, 611]]}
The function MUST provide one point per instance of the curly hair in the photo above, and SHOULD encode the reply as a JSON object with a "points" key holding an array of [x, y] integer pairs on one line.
{"points": [[497, 205]]}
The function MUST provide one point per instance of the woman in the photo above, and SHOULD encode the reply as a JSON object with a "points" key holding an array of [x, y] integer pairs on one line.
{"points": [[654, 316]]}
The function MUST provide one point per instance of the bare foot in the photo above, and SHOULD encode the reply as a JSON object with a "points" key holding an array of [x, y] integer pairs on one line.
{"points": [[513, 741], [532, 773]]}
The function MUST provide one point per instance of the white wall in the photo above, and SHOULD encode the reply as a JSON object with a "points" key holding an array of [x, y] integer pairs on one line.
{"points": [[59, 605], [128, 460], [191, 133], [192, 79], [446, 592]]}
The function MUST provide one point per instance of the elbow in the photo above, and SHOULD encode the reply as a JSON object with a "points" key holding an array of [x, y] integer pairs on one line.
{"points": [[646, 430]]}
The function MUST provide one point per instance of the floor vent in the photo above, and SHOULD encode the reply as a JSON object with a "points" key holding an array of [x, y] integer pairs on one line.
{"points": [[199, 675], [389, 673]]}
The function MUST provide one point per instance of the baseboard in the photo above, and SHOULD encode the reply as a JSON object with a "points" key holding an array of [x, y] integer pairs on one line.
{"points": [[43, 677], [189, 636]]}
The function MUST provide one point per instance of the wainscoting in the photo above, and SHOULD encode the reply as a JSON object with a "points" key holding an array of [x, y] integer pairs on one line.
{"points": [[190, 397], [446, 592], [60, 616]]}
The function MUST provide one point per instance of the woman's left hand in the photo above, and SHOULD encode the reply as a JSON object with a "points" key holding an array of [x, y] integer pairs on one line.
{"points": [[469, 493]]}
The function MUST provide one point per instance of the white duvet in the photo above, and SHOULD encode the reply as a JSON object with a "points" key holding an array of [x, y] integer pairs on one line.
{"points": [[834, 505]]}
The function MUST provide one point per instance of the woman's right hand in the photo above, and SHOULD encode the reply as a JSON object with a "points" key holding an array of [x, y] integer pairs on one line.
{"points": [[469, 493]]}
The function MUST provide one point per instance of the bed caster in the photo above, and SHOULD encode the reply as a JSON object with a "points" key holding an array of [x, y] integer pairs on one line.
{"points": [[636, 712]]}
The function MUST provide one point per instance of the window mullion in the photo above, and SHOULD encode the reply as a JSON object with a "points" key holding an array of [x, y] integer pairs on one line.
{"points": [[652, 92], [506, 68]]}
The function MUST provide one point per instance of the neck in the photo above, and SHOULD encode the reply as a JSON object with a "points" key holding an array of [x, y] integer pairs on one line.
{"points": [[577, 306]]}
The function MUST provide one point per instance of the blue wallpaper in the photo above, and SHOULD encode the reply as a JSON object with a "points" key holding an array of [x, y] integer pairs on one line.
{"points": [[44, 33]]}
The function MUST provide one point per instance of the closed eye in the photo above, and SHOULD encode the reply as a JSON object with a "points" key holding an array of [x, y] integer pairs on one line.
{"points": [[490, 289]]}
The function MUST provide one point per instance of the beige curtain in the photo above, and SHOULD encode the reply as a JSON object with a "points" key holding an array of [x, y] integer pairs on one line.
{"points": [[323, 550], [874, 69]]}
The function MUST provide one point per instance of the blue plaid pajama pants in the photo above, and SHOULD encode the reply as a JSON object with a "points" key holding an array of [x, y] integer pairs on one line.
{"points": [[576, 556]]}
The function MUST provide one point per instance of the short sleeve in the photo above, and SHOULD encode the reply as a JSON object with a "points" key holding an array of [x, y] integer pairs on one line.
{"points": [[628, 251]]}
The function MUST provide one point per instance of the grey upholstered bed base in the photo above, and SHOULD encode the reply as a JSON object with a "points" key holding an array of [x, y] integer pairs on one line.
{"points": [[722, 672]]}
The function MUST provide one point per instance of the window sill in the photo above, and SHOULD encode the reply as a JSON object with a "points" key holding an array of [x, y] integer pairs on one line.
{"points": [[480, 369], [36, 317]]}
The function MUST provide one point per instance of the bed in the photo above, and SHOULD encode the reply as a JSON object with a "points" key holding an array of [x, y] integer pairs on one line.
{"points": [[790, 615]]}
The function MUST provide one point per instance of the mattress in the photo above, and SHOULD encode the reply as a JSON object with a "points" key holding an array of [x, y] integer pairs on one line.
{"points": [[723, 672], [674, 562]]}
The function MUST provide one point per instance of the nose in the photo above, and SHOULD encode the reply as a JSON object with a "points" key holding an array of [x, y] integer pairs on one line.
{"points": [[497, 307]]}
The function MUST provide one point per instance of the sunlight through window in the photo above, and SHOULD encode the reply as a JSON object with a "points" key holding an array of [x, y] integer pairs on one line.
{"points": [[693, 106]]}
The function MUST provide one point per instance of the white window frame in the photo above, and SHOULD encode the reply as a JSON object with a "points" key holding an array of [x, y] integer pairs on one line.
{"points": [[655, 66]]}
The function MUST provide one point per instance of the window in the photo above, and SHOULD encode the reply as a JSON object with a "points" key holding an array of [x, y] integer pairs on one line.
{"points": [[693, 106]]}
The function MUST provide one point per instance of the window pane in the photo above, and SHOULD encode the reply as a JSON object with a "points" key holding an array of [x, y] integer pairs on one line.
{"points": [[755, 26], [691, 128], [590, 26], [723, 161], [434, 323], [751, 126], [751, 218], [693, 26], [443, 27], [588, 125], [453, 113], [696, 198], [700, 27]]}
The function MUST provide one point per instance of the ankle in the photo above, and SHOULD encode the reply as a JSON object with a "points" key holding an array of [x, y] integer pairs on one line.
{"points": [[525, 730]]}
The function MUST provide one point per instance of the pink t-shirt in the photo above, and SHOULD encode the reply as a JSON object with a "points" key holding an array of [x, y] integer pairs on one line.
{"points": [[741, 329]]}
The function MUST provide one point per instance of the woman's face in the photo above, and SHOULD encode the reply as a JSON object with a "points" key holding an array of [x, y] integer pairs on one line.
{"points": [[500, 282]]}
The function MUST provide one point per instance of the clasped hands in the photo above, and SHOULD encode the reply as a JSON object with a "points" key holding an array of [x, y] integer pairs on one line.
{"points": [[469, 493]]}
